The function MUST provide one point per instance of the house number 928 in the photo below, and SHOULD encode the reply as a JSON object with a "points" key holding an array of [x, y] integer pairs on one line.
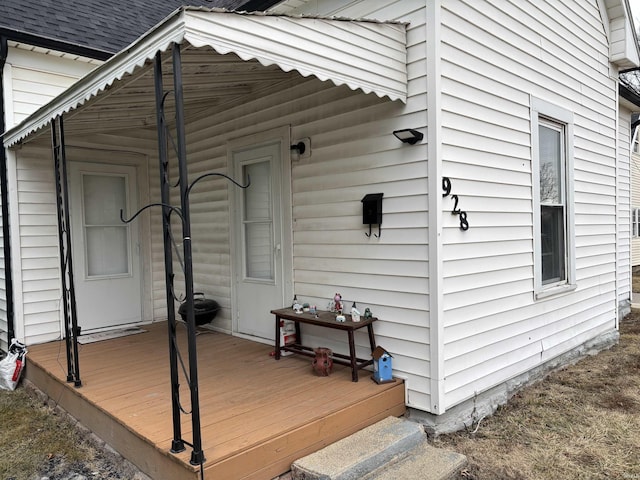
{"points": [[446, 187]]}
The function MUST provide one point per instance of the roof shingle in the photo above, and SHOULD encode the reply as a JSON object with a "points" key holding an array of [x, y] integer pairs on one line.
{"points": [[107, 26]]}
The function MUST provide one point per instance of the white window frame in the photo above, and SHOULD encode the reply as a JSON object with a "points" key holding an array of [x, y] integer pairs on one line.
{"points": [[635, 222], [543, 111]]}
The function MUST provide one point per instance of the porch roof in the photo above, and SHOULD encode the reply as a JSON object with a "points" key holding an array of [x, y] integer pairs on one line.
{"points": [[362, 54]]}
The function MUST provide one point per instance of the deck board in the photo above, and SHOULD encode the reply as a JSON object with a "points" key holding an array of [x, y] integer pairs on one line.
{"points": [[257, 414]]}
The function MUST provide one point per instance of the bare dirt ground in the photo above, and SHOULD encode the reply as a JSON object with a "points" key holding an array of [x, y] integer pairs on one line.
{"points": [[580, 422], [38, 442]]}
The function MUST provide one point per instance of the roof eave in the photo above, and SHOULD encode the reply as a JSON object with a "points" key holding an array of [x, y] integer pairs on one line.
{"points": [[624, 51], [122, 63], [228, 32], [53, 44], [629, 99]]}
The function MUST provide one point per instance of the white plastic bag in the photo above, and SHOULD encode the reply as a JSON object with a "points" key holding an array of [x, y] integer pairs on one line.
{"points": [[12, 365]]}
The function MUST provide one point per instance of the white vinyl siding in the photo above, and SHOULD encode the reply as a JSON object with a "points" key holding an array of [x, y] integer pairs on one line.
{"points": [[495, 56], [38, 245], [634, 170], [4, 325], [624, 233], [36, 76], [32, 76]]}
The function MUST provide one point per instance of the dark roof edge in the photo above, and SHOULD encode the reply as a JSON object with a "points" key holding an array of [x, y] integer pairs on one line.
{"points": [[627, 94], [258, 5], [52, 44]]}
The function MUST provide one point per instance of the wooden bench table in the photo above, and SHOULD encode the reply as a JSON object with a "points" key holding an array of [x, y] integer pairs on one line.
{"points": [[327, 320]]}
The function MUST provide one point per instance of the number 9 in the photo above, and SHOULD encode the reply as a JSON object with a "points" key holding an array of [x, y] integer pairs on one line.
{"points": [[446, 186]]}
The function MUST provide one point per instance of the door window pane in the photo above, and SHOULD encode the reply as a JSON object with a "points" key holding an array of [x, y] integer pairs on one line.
{"points": [[106, 237], [104, 197], [258, 222], [258, 251], [107, 252], [257, 198]]}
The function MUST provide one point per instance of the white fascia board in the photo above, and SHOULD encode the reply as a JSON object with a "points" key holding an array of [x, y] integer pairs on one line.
{"points": [[365, 55]]}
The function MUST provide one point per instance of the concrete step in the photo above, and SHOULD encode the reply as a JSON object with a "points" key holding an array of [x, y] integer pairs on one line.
{"points": [[381, 449], [423, 462]]}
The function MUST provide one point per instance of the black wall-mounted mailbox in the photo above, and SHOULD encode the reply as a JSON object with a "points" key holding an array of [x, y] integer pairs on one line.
{"points": [[372, 211]]}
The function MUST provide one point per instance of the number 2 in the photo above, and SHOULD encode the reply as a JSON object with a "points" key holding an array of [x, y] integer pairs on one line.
{"points": [[455, 210]]}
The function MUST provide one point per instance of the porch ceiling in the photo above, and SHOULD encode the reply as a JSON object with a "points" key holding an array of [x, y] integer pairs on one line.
{"points": [[209, 80], [226, 56]]}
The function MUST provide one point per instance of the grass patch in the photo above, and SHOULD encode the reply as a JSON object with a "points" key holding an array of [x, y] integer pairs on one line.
{"points": [[37, 441], [582, 421], [32, 435]]}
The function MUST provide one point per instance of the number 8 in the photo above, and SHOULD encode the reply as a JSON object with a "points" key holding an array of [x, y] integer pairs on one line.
{"points": [[464, 224]]}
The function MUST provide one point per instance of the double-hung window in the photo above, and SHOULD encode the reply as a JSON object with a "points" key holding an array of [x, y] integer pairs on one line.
{"points": [[552, 165]]}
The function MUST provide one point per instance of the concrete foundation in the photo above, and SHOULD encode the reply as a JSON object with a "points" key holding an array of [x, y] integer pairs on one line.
{"points": [[472, 411], [624, 309]]}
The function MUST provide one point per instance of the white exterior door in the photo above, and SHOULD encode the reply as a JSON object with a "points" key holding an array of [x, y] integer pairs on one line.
{"points": [[105, 250], [257, 218]]}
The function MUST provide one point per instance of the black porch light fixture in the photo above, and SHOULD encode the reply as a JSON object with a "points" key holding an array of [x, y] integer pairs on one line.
{"points": [[299, 147], [408, 135]]}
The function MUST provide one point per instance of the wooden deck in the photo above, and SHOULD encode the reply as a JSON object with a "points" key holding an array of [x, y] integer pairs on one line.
{"points": [[258, 415]]}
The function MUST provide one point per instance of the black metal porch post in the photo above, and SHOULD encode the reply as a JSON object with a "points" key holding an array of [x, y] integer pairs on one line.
{"points": [[197, 455], [177, 444], [66, 261]]}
